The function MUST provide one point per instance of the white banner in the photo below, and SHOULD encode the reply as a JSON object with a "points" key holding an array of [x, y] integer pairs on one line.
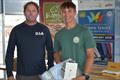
{"points": [[95, 4]]}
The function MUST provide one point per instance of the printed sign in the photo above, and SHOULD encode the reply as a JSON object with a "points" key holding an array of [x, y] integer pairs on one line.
{"points": [[100, 22]]}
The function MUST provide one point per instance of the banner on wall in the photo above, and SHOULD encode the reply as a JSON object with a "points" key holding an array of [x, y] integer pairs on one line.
{"points": [[100, 22], [95, 4], [50, 15], [99, 16]]}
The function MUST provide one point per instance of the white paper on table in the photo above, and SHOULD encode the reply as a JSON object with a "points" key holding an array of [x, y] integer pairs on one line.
{"points": [[70, 71], [111, 72]]}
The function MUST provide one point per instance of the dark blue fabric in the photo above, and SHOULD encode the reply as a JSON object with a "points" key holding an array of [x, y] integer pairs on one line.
{"points": [[31, 42]]}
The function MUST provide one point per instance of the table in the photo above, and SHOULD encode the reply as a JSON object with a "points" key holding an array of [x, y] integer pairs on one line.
{"points": [[97, 73]]}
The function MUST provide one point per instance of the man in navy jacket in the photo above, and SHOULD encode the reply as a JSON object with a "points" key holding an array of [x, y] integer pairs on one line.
{"points": [[31, 39]]}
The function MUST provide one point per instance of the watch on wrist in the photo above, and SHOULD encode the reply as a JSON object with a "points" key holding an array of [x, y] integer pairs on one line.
{"points": [[86, 76]]}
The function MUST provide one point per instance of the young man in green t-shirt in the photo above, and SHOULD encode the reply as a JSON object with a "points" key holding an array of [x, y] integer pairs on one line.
{"points": [[74, 41]]}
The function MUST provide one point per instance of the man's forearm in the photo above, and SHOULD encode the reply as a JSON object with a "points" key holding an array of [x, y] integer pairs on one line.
{"points": [[89, 61]]}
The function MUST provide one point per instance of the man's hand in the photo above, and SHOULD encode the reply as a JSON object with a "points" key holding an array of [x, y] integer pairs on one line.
{"points": [[11, 78], [57, 57], [79, 78]]}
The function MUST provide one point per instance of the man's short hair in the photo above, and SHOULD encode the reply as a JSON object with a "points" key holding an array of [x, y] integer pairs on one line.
{"points": [[33, 3], [68, 4]]}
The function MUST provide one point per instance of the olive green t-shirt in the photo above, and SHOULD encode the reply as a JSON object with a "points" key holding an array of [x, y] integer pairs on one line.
{"points": [[73, 44]]}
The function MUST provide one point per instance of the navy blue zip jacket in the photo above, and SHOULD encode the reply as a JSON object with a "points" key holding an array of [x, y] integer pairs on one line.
{"points": [[31, 42]]}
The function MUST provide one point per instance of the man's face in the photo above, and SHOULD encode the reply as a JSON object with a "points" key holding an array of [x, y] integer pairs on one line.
{"points": [[31, 13], [68, 14]]}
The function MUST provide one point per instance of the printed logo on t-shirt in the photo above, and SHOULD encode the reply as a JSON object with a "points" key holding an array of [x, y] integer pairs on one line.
{"points": [[76, 39], [39, 33]]}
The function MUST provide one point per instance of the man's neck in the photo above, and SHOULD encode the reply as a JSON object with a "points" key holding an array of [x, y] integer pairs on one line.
{"points": [[70, 25], [30, 23]]}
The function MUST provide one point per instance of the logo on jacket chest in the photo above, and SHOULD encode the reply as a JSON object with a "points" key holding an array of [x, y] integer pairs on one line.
{"points": [[39, 33]]}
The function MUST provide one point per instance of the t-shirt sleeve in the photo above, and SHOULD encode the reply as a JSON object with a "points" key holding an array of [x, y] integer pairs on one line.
{"points": [[49, 47], [56, 43], [89, 40], [10, 52]]}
